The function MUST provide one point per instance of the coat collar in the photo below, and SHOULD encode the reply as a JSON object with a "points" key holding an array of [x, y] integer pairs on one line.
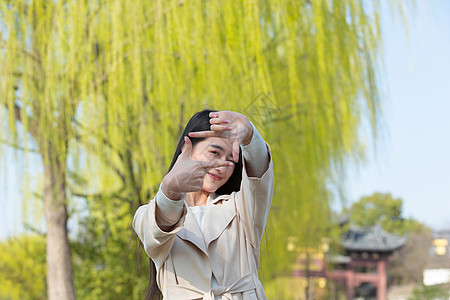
{"points": [[218, 214], [191, 231], [213, 198]]}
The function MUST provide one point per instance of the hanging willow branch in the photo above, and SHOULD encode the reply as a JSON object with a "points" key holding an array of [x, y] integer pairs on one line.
{"points": [[132, 71]]}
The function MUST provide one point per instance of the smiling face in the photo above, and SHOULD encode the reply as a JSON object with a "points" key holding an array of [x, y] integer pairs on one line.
{"points": [[210, 149]]}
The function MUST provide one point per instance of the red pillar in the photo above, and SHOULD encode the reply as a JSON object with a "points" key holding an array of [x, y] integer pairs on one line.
{"points": [[350, 284], [381, 270]]}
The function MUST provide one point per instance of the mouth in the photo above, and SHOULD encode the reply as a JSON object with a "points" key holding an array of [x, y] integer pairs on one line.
{"points": [[215, 177]]}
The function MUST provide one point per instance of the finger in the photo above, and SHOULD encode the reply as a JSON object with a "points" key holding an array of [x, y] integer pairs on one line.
{"points": [[219, 120], [202, 134], [215, 164], [236, 151], [218, 114], [220, 128], [214, 114], [187, 146], [222, 115]]}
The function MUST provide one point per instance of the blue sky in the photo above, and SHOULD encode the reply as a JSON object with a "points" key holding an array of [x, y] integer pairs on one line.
{"points": [[413, 157], [413, 154]]}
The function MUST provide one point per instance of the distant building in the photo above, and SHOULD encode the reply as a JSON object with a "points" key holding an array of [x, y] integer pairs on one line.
{"points": [[368, 250], [362, 268], [437, 270]]}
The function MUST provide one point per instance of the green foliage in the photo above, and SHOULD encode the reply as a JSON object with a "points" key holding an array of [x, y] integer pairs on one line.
{"points": [[383, 209], [22, 268], [107, 86], [102, 268], [434, 292]]}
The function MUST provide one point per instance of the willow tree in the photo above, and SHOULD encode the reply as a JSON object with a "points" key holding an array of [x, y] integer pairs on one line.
{"points": [[118, 79]]}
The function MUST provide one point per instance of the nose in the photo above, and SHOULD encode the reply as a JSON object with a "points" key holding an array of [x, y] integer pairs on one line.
{"points": [[220, 170]]}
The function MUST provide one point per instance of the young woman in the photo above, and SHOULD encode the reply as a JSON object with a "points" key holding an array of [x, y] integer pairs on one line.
{"points": [[204, 226]]}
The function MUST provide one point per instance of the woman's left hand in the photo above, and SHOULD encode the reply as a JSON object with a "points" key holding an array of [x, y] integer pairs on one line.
{"points": [[231, 125]]}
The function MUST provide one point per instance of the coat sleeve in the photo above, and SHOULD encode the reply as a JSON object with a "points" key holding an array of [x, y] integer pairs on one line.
{"points": [[157, 242], [255, 196]]}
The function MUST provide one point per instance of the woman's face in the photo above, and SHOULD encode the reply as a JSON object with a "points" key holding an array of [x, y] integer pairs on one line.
{"points": [[209, 149]]}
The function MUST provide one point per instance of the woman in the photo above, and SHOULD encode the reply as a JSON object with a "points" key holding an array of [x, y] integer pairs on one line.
{"points": [[204, 226]]}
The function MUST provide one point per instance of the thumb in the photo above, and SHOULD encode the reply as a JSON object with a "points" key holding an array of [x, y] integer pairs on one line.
{"points": [[236, 151], [187, 147]]}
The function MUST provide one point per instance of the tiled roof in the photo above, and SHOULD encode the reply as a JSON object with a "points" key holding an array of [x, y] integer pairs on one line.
{"points": [[371, 239]]}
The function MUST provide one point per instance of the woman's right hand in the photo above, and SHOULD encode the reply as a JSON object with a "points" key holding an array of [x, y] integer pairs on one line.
{"points": [[187, 174]]}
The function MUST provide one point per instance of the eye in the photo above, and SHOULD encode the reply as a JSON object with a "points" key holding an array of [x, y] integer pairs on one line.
{"points": [[214, 152]]}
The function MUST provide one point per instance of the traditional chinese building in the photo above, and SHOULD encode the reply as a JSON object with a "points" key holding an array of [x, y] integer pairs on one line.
{"points": [[363, 268]]}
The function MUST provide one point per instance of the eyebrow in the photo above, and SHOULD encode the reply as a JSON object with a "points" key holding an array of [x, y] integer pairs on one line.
{"points": [[220, 148]]}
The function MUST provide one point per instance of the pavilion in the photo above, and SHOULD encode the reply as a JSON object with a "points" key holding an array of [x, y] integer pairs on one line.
{"points": [[361, 268], [364, 265]]}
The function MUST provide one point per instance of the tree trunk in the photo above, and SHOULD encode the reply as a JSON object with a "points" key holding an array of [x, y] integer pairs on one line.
{"points": [[59, 264]]}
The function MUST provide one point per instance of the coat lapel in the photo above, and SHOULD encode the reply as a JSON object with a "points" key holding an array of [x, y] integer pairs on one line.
{"points": [[219, 212], [191, 231]]}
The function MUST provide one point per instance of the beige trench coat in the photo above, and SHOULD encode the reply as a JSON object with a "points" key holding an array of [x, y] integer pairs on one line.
{"points": [[233, 228]]}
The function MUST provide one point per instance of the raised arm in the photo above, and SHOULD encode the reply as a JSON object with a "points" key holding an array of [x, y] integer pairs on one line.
{"points": [[254, 199]]}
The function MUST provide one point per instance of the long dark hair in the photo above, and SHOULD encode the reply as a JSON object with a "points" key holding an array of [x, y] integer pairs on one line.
{"points": [[198, 122]]}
